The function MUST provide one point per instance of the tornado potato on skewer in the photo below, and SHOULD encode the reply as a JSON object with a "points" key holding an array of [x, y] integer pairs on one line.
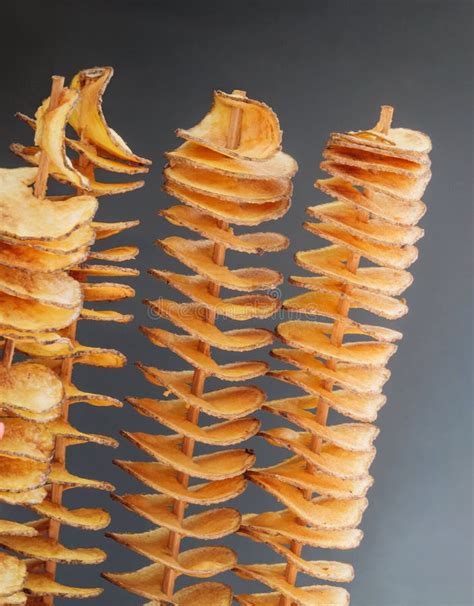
{"points": [[45, 249]]}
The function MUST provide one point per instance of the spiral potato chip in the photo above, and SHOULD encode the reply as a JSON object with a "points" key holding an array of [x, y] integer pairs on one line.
{"points": [[230, 170], [376, 179], [44, 242]]}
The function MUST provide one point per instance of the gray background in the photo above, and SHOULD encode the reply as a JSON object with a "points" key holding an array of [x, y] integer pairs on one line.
{"points": [[323, 66]]}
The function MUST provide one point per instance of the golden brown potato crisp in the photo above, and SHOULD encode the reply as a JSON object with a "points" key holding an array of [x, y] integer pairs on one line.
{"points": [[229, 172], [44, 243], [376, 180]]}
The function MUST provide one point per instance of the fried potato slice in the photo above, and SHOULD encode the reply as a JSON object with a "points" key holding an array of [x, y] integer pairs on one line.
{"points": [[27, 440], [25, 216], [90, 152], [173, 414], [197, 255], [318, 512], [201, 562], [107, 291], [62, 428], [27, 497], [53, 339], [231, 212], [397, 212], [285, 525], [401, 142], [313, 338], [19, 475], [202, 594], [261, 134], [294, 471], [337, 572], [358, 406], [381, 305], [210, 228], [158, 509], [81, 237], [29, 387], [43, 585], [145, 582], [105, 315], [105, 271], [273, 576], [226, 187], [362, 158], [12, 574], [75, 395], [42, 548], [331, 261], [244, 307], [30, 316], [332, 460], [162, 478], [57, 290], [50, 137], [353, 378], [219, 465], [280, 165], [88, 116], [116, 255], [188, 349], [227, 403], [191, 318], [387, 256], [85, 518], [346, 217], [33, 154], [80, 354], [14, 529], [22, 257], [357, 437], [106, 230], [59, 475], [327, 305], [398, 186]]}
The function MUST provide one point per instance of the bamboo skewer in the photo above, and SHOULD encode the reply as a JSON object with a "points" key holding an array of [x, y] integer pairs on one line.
{"points": [[337, 337], [199, 377]]}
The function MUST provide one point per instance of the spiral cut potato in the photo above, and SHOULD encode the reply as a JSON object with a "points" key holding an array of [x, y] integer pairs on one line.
{"points": [[229, 170], [45, 249], [377, 178]]}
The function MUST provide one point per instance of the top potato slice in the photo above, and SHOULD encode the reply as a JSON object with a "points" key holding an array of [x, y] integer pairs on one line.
{"points": [[24, 216], [281, 165], [261, 134], [50, 137], [397, 140], [88, 115]]}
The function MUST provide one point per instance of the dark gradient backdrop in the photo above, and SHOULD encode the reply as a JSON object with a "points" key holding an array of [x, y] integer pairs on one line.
{"points": [[323, 66]]}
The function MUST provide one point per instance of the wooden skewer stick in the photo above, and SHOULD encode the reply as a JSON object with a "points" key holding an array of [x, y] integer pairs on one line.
{"points": [[40, 188], [199, 377], [337, 337]]}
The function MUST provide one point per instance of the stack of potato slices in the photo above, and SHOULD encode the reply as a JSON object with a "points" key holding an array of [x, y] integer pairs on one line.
{"points": [[230, 170], [45, 243], [377, 179]]}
